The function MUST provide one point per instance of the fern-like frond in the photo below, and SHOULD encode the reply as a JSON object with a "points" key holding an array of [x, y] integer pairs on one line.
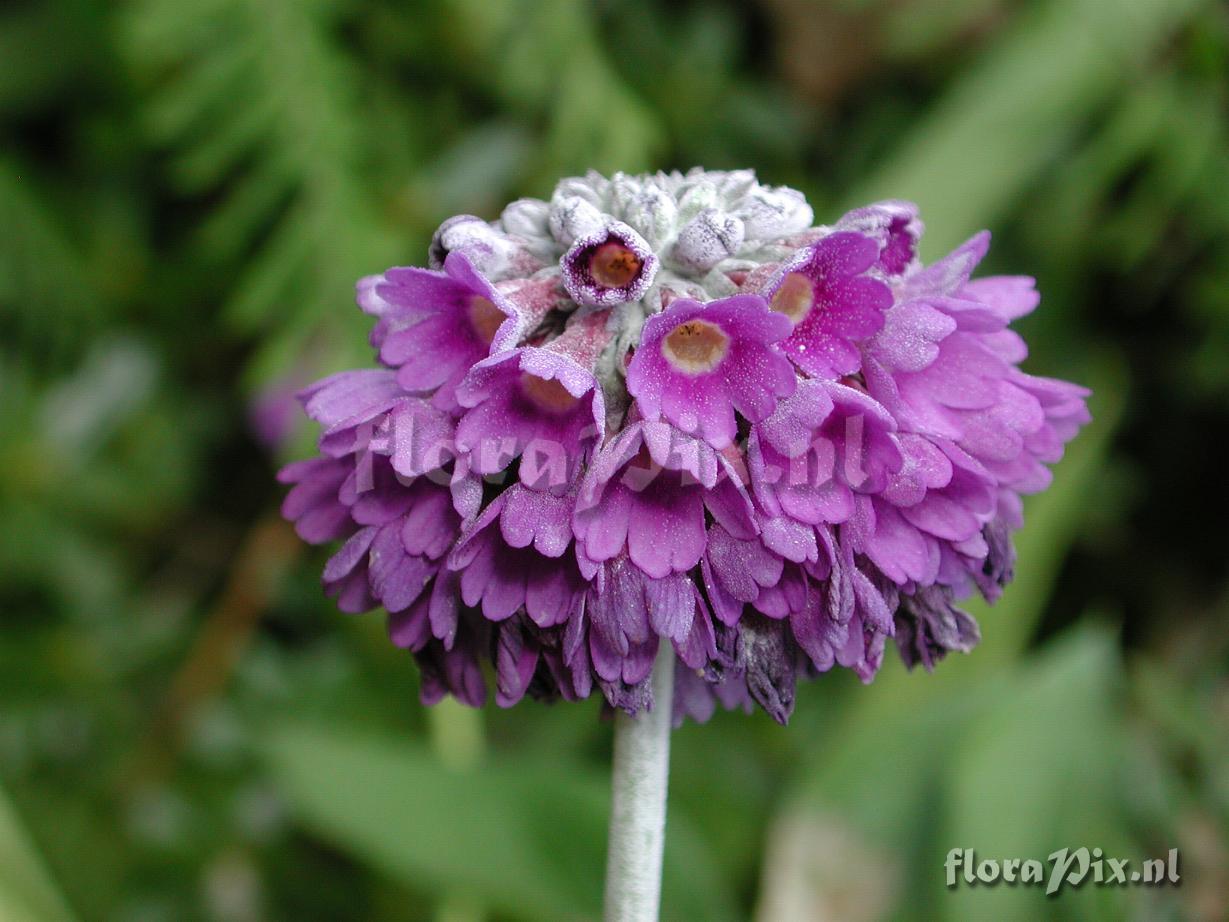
{"points": [[45, 302], [260, 110], [547, 57]]}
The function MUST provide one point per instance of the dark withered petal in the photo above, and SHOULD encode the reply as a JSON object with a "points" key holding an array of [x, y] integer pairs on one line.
{"points": [[768, 658], [929, 626]]}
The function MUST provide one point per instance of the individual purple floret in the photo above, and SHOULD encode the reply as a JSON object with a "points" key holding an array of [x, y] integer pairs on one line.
{"points": [[434, 326], [608, 266], [895, 226], [824, 289], [646, 495], [515, 558], [543, 404], [699, 363]]}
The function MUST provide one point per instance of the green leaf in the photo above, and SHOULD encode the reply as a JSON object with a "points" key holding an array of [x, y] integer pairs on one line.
{"points": [[44, 286], [523, 836], [30, 76], [1014, 110], [27, 893], [289, 167], [1037, 774]]}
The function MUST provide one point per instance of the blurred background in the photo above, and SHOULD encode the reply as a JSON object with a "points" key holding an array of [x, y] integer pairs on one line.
{"points": [[188, 192]]}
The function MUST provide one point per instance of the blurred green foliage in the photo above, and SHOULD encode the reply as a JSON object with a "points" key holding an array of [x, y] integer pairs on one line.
{"points": [[187, 194]]}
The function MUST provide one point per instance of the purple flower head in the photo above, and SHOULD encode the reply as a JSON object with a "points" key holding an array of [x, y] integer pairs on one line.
{"points": [[772, 483], [825, 291], [540, 402], [699, 363], [608, 266]]}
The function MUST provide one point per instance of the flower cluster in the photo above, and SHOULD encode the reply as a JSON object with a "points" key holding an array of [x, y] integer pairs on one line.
{"points": [[667, 409]]}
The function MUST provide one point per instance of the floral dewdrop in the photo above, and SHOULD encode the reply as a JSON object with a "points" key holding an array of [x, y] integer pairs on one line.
{"points": [[765, 446]]}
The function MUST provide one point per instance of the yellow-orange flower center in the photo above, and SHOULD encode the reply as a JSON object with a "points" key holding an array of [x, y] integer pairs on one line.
{"points": [[614, 265], [695, 346], [795, 297], [485, 317], [549, 395]]}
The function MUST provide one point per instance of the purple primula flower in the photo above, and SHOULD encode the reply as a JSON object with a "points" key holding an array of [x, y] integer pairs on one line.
{"points": [[608, 266], [516, 558], [646, 494], [823, 445], [403, 533], [833, 304], [895, 226], [699, 363], [434, 326], [542, 402], [312, 503], [531, 660], [847, 621], [628, 614], [698, 694], [667, 410], [447, 669]]}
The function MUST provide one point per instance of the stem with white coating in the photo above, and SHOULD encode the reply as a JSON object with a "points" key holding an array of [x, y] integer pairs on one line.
{"points": [[638, 802]]}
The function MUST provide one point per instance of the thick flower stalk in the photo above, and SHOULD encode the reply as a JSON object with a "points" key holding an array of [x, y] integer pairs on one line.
{"points": [[667, 415]]}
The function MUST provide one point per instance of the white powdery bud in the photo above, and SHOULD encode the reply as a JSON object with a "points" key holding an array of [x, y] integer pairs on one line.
{"points": [[487, 248], [592, 187], [697, 195], [527, 217], [573, 217], [707, 239], [698, 224], [736, 184], [769, 212], [622, 192], [528, 221], [653, 212]]}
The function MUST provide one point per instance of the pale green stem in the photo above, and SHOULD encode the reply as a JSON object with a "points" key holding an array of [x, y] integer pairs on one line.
{"points": [[458, 741], [638, 802]]}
